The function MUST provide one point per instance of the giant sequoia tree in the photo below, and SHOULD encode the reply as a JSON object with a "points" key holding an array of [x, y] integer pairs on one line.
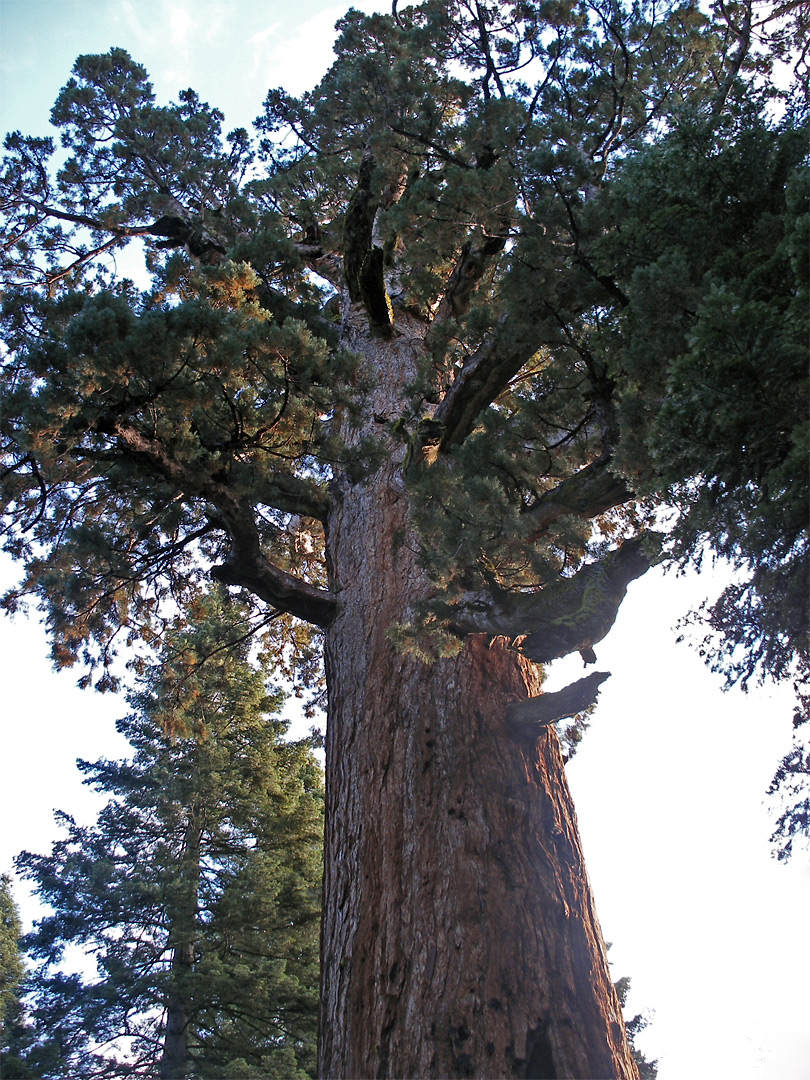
{"points": [[397, 378]]}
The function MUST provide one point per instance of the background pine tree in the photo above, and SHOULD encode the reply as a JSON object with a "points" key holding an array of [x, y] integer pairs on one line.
{"points": [[196, 894]]}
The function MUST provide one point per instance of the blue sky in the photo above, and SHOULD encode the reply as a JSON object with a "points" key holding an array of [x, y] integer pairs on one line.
{"points": [[231, 53], [670, 781]]}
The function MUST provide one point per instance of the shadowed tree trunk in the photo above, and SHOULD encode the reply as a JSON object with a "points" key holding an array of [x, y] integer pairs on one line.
{"points": [[460, 937]]}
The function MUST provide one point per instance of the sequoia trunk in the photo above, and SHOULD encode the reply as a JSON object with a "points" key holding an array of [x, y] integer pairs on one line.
{"points": [[459, 934]]}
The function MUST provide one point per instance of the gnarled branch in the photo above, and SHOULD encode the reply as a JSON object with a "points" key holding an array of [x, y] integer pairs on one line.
{"points": [[246, 564], [293, 495], [568, 615], [472, 263], [588, 493], [537, 712], [247, 567], [483, 377]]}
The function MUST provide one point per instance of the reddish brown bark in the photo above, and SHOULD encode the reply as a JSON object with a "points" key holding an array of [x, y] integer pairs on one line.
{"points": [[459, 936]]}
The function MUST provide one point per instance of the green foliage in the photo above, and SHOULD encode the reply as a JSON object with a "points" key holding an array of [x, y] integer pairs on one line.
{"points": [[23, 1055], [422, 640], [12, 969], [503, 167], [715, 253], [714, 346], [572, 732], [791, 785], [647, 1070], [238, 394], [199, 884]]}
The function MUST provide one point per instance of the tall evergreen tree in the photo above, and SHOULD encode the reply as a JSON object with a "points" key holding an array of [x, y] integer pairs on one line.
{"points": [[196, 893], [12, 967], [386, 381], [13, 1029], [25, 1054]]}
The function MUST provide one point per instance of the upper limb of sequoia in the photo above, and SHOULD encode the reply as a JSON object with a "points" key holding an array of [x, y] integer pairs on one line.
{"points": [[173, 230], [591, 491], [246, 564], [475, 258], [485, 375], [568, 615]]}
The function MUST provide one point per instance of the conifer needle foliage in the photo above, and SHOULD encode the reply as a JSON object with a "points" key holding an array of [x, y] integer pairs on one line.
{"points": [[590, 208], [425, 363], [195, 896]]}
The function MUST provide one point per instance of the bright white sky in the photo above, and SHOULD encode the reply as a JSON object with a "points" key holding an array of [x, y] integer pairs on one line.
{"points": [[670, 781]]}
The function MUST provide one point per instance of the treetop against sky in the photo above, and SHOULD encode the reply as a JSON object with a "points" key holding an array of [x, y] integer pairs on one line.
{"points": [[426, 376], [593, 319]]}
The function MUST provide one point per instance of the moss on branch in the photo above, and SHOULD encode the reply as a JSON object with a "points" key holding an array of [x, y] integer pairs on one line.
{"points": [[570, 614]]}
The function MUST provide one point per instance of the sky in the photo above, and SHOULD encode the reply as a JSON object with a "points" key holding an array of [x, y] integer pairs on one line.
{"points": [[670, 782]]}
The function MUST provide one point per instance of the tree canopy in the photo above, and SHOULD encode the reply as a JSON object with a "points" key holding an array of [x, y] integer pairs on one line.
{"points": [[610, 239], [12, 967], [730, 437], [422, 369]]}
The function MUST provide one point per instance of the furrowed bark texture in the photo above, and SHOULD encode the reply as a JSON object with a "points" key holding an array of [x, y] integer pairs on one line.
{"points": [[459, 934]]}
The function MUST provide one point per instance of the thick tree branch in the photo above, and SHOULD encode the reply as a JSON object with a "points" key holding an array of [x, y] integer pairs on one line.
{"points": [[475, 257], [90, 222], [175, 231], [192, 235], [362, 259], [246, 564], [325, 262], [588, 493], [534, 713], [247, 567], [292, 495], [482, 378], [568, 615]]}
